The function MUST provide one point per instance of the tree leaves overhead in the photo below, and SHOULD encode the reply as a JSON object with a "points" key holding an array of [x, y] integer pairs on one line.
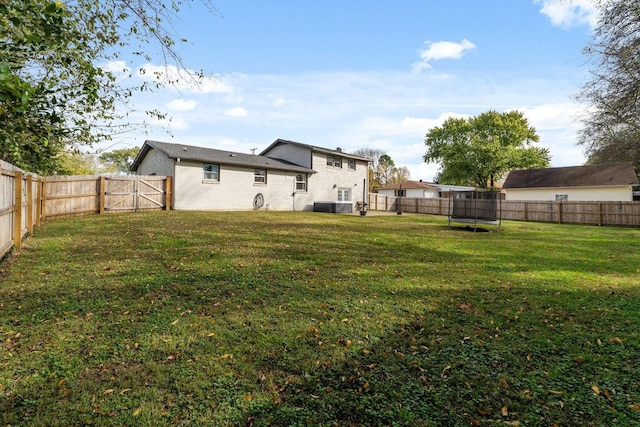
{"points": [[481, 149], [611, 131], [66, 71]]}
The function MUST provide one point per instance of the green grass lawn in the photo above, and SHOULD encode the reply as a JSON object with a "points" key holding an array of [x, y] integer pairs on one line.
{"points": [[254, 319]]}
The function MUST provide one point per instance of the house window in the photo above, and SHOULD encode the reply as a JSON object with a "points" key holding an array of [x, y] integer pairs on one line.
{"points": [[562, 197], [351, 164], [301, 181], [400, 193], [211, 172], [344, 194], [334, 161], [260, 176]]}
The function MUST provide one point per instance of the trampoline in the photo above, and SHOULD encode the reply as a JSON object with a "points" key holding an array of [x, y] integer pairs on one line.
{"points": [[475, 208]]}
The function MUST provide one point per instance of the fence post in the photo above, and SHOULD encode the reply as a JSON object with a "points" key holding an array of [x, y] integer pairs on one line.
{"points": [[17, 211], [167, 193], [559, 212], [600, 214], [38, 201], [44, 199], [136, 193], [102, 188], [30, 204]]}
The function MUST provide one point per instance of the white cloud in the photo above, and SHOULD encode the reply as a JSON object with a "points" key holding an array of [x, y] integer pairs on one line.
{"points": [[553, 116], [236, 112], [181, 104], [173, 123], [441, 50], [558, 125], [416, 127], [424, 124], [183, 79], [279, 102], [117, 67], [569, 13], [391, 111]]}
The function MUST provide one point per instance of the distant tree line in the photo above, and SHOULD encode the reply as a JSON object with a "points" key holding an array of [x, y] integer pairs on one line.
{"points": [[382, 169]]}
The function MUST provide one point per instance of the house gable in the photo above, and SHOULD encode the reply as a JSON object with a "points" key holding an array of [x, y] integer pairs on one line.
{"points": [[299, 153]]}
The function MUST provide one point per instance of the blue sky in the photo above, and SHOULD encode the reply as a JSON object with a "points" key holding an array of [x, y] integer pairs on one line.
{"points": [[373, 74]]}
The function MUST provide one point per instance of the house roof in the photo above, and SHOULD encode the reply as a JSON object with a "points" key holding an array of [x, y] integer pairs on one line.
{"points": [[444, 187], [211, 155], [573, 176], [410, 185], [337, 152]]}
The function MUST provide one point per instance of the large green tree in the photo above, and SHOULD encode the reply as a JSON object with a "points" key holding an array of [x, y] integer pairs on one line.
{"points": [[58, 83], [611, 131], [482, 149], [120, 160]]}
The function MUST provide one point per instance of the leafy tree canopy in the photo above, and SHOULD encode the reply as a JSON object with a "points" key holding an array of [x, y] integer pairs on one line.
{"points": [[58, 84], [120, 160], [77, 163], [611, 131], [482, 149]]}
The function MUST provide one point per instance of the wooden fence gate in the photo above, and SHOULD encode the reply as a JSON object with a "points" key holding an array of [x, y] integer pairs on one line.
{"points": [[85, 194], [133, 193]]}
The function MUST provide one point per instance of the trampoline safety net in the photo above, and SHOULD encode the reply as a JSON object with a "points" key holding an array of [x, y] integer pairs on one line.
{"points": [[475, 207]]}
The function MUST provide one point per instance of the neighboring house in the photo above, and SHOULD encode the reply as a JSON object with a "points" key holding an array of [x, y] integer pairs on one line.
{"points": [[420, 189], [410, 189], [286, 176], [607, 182]]}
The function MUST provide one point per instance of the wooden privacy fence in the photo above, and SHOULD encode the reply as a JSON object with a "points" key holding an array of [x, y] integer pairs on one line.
{"points": [[77, 195], [587, 213], [19, 209], [27, 199]]}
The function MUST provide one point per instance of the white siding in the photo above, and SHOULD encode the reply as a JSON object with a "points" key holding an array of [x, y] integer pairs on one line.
{"points": [[156, 162], [575, 194], [293, 153], [236, 189], [324, 185]]}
